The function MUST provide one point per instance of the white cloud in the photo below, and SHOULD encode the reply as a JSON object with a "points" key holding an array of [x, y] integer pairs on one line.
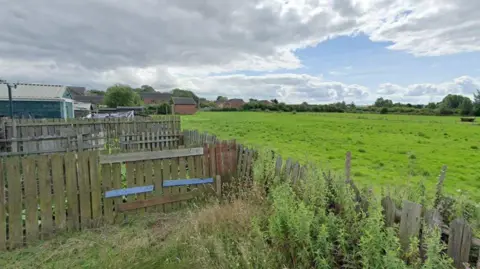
{"points": [[428, 92], [168, 43]]}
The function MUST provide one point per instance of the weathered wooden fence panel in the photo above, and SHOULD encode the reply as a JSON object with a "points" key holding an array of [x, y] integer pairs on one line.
{"points": [[41, 195], [20, 137]]}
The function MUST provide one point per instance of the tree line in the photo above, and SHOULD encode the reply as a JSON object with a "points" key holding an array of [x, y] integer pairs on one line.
{"points": [[451, 104]]}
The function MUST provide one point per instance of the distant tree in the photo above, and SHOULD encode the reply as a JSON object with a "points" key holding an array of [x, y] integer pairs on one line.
{"points": [[384, 110], [431, 105], [95, 92], [466, 107], [121, 95], [251, 100], [453, 101], [185, 93], [222, 98], [274, 101], [145, 88], [476, 98], [380, 102]]}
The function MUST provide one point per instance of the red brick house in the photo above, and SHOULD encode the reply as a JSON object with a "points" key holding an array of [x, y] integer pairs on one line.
{"points": [[155, 97], [234, 103], [184, 105]]}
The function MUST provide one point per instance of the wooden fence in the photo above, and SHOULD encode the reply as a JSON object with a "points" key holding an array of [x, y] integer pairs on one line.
{"points": [[41, 195], [462, 247], [20, 136]]}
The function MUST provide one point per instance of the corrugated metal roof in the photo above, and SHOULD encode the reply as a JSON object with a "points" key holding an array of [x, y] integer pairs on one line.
{"points": [[94, 99], [183, 101], [33, 91]]}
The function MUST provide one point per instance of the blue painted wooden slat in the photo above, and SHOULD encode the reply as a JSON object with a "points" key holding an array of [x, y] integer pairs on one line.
{"points": [[128, 191], [183, 182]]}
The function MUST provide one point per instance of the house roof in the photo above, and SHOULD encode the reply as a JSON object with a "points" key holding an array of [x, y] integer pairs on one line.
{"points": [[183, 101], [164, 96], [33, 91], [93, 99], [76, 90], [236, 100]]}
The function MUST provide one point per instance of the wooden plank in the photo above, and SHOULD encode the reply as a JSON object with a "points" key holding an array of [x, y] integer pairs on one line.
{"points": [[84, 190], [388, 211], [117, 184], [245, 164], [166, 168], [129, 191], [130, 178], [182, 173], [278, 166], [158, 181], [409, 223], [174, 175], [213, 158], [191, 167], [142, 156], [459, 242], [106, 182], [240, 161], [95, 187], [148, 170], [185, 182], [59, 192], [72, 192], [3, 204], [140, 180], [14, 203], [31, 205], [164, 200], [45, 184]]}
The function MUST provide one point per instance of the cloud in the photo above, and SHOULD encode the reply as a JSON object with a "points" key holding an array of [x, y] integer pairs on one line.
{"points": [[182, 43], [427, 92], [289, 88]]}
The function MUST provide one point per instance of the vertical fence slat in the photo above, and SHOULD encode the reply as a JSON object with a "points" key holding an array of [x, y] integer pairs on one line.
{"points": [[166, 176], [459, 242], [3, 219], [130, 182], [96, 188], [31, 204], [174, 172], [14, 202], [140, 181], [58, 191], [182, 173], [106, 186], [72, 192], [158, 181], [45, 186], [117, 179], [148, 170], [84, 189], [409, 223], [388, 211]]}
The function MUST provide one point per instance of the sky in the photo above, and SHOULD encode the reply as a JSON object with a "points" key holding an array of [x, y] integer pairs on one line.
{"points": [[318, 51]]}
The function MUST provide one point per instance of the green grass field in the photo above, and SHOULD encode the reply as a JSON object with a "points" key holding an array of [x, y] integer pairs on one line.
{"points": [[386, 150]]}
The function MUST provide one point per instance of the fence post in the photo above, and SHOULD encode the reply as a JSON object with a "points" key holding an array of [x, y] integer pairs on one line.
{"points": [[14, 136], [459, 242], [348, 161], [389, 211], [409, 223]]}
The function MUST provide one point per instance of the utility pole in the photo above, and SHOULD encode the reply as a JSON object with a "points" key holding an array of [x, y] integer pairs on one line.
{"points": [[9, 86]]}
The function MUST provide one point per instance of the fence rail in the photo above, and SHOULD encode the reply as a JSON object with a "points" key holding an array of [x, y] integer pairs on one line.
{"points": [[22, 137]]}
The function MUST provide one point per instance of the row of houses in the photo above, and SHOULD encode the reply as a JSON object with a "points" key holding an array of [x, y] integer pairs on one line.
{"points": [[58, 101]]}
